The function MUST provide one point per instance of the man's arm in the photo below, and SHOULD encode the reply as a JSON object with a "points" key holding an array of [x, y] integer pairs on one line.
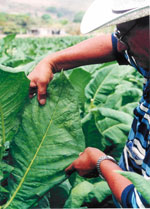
{"points": [[116, 182], [92, 51], [85, 165]]}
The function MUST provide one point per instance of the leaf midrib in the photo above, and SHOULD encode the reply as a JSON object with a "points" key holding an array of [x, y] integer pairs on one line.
{"points": [[32, 161], [101, 85]]}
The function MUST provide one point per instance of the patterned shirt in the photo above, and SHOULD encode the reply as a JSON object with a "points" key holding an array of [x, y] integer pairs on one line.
{"points": [[136, 153]]}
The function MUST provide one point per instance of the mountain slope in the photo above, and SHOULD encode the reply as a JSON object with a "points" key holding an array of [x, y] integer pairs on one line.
{"points": [[40, 6]]}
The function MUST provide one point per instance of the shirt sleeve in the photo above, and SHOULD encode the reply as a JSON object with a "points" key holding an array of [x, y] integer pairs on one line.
{"points": [[131, 198], [119, 56]]}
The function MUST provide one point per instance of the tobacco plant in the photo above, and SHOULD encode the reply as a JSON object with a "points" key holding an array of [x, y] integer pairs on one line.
{"points": [[87, 106]]}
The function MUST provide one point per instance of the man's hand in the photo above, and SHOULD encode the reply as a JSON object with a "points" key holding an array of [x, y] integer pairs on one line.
{"points": [[85, 164], [40, 77]]}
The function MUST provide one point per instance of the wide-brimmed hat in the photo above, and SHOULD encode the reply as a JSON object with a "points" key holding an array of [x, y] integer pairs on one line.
{"points": [[111, 12]]}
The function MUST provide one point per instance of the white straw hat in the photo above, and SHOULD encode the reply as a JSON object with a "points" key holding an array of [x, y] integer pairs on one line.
{"points": [[111, 12]]}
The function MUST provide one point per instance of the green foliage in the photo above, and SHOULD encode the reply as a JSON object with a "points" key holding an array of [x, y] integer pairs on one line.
{"points": [[59, 12], [12, 23], [52, 137], [80, 83], [99, 193], [64, 21], [3, 16], [78, 17], [46, 17], [78, 195], [86, 106], [114, 126], [11, 103]]}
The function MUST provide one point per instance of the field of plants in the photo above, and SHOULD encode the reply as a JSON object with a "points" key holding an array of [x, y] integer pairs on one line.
{"points": [[86, 106]]}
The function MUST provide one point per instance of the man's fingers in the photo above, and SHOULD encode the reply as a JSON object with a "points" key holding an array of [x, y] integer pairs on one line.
{"points": [[40, 89], [42, 93], [70, 169], [32, 89]]}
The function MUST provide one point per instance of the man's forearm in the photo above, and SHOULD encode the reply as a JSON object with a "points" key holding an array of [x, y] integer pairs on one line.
{"points": [[91, 51], [116, 182]]}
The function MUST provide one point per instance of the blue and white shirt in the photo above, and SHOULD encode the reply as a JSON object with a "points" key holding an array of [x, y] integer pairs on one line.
{"points": [[136, 153]]}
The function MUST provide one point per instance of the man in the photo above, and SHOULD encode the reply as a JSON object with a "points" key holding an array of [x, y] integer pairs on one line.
{"points": [[130, 44]]}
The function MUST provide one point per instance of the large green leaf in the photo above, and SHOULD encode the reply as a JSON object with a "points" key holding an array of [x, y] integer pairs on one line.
{"points": [[112, 122], [10, 69], [104, 83], [93, 137], [99, 192], [114, 126], [79, 79], [141, 184], [128, 108], [129, 92], [114, 101], [11, 103], [86, 193], [78, 195], [124, 94], [49, 139], [13, 62], [13, 93]]}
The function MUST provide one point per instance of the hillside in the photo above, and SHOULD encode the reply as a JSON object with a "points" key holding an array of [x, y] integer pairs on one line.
{"points": [[38, 7]]}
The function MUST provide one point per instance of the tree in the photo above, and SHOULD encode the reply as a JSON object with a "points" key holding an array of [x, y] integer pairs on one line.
{"points": [[78, 17], [46, 17]]}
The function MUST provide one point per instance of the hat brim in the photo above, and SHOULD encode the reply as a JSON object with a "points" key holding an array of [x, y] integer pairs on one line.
{"points": [[100, 14]]}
